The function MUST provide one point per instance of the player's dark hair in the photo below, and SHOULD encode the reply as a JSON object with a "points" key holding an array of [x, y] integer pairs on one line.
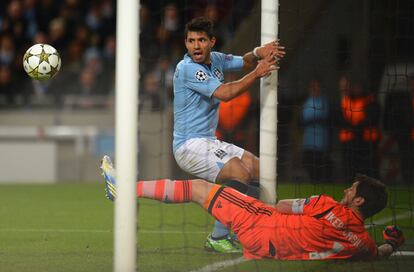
{"points": [[374, 192], [200, 24]]}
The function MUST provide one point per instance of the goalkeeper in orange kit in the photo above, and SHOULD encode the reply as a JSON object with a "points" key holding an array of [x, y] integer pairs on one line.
{"points": [[314, 228]]}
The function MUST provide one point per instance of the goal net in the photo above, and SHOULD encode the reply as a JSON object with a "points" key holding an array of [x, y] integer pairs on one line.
{"points": [[354, 56]]}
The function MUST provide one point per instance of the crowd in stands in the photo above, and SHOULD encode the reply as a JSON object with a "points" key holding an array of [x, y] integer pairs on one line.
{"points": [[83, 32], [365, 134]]}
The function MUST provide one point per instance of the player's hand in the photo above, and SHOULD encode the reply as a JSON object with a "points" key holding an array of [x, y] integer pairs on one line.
{"points": [[393, 236], [266, 66], [271, 47]]}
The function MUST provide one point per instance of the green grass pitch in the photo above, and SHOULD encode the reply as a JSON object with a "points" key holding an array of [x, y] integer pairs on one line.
{"points": [[69, 227]]}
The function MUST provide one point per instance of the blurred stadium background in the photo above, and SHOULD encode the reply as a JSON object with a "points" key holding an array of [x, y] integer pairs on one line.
{"points": [[56, 131], [69, 121]]}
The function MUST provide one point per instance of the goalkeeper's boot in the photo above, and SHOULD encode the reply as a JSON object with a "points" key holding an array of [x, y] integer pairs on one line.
{"points": [[225, 245], [108, 171]]}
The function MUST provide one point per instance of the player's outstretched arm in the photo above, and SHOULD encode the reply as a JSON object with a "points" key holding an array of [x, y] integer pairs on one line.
{"points": [[394, 238], [250, 58], [230, 90], [290, 206]]}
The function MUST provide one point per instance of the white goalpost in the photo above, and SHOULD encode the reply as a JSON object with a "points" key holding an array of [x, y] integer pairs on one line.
{"points": [[268, 108], [126, 140]]}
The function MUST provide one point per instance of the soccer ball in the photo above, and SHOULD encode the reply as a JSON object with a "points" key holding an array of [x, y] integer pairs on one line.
{"points": [[41, 61]]}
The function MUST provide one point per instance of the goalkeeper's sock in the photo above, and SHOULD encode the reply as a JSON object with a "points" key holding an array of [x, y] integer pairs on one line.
{"points": [[166, 190]]}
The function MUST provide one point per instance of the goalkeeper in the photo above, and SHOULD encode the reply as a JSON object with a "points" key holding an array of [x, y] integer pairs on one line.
{"points": [[314, 228]]}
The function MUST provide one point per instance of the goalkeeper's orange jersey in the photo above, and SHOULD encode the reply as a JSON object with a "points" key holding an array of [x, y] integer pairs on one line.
{"points": [[320, 229], [323, 229]]}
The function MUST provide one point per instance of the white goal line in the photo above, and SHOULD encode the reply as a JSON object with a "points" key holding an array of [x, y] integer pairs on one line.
{"points": [[389, 219]]}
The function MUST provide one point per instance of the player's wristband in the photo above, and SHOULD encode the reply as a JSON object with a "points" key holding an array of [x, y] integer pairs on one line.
{"points": [[255, 52]]}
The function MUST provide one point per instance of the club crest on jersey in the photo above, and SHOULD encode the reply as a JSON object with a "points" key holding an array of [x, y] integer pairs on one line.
{"points": [[200, 75], [218, 74]]}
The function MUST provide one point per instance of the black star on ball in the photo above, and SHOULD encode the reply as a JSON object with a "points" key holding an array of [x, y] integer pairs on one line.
{"points": [[200, 75]]}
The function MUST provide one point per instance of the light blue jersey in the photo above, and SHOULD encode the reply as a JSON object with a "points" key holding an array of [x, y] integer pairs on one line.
{"points": [[195, 108]]}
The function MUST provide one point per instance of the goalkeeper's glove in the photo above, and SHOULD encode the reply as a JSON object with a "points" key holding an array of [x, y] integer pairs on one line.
{"points": [[393, 236]]}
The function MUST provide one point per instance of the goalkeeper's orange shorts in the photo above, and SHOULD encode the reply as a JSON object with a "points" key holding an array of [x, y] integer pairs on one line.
{"points": [[250, 219]]}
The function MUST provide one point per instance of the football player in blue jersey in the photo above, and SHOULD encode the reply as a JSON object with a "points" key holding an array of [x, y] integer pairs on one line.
{"points": [[198, 89]]}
